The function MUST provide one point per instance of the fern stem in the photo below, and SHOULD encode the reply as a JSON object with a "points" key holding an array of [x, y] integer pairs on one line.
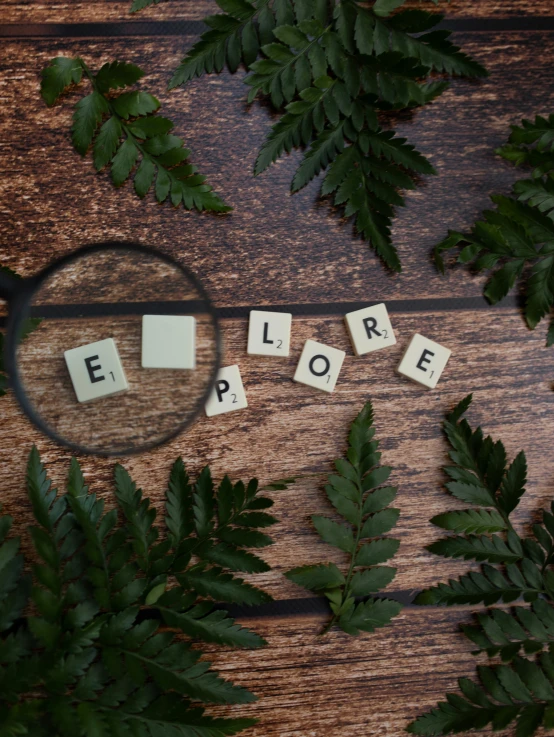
{"points": [[346, 587], [329, 624]]}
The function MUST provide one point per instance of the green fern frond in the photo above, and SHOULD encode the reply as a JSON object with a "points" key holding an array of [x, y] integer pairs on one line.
{"points": [[126, 134], [521, 693], [482, 476], [517, 237], [92, 658], [330, 69], [338, 96], [360, 498]]}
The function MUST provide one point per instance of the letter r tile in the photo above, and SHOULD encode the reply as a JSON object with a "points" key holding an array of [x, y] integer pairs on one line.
{"points": [[370, 329]]}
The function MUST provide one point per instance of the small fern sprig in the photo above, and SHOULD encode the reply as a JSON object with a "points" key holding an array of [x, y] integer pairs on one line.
{"points": [[335, 71], [123, 130], [94, 658], [521, 689], [518, 235], [358, 496]]}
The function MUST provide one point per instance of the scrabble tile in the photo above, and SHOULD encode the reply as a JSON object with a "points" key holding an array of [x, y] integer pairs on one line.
{"points": [[370, 329], [168, 342], [269, 333], [228, 392], [96, 370], [319, 366], [424, 361]]}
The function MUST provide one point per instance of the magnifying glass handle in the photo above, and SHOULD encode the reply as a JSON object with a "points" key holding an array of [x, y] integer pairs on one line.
{"points": [[9, 285]]}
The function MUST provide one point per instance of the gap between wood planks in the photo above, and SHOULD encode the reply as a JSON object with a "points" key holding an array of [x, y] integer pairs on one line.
{"points": [[196, 27], [450, 304]]}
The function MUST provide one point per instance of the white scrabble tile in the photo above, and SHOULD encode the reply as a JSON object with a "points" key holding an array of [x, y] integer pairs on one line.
{"points": [[228, 392], [319, 366], [96, 370], [168, 342], [370, 329], [424, 361], [269, 333]]}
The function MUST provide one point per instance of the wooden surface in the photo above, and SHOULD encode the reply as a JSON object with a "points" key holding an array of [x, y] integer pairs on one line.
{"points": [[80, 11], [275, 249]]}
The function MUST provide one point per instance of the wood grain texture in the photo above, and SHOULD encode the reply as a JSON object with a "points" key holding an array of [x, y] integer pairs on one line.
{"points": [[52, 201], [315, 687], [290, 429], [275, 249], [76, 11]]}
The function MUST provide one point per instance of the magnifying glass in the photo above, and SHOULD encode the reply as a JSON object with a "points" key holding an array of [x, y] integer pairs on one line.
{"points": [[125, 354]]}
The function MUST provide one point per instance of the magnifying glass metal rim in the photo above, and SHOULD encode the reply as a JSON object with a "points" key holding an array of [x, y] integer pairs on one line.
{"points": [[19, 305]]}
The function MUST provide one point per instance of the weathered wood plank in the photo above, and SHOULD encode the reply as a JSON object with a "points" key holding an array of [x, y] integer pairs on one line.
{"points": [[277, 249], [274, 247], [370, 685], [60, 11], [290, 429]]}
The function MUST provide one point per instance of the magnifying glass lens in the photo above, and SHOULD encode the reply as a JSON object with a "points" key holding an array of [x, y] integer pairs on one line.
{"points": [[134, 381]]}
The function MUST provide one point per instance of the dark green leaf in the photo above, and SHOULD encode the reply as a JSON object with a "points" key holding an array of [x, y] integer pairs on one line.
{"points": [[380, 523], [385, 7], [58, 75], [132, 104], [129, 116], [369, 615], [477, 521], [222, 586], [371, 580], [318, 577], [117, 74], [144, 177], [214, 627], [86, 119], [376, 551], [334, 533], [106, 142]]}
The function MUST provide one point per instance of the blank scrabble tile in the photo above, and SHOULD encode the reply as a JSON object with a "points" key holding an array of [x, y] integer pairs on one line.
{"points": [[227, 394], [319, 366], [269, 333], [168, 342], [424, 361], [370, 329], [95, 370]]}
